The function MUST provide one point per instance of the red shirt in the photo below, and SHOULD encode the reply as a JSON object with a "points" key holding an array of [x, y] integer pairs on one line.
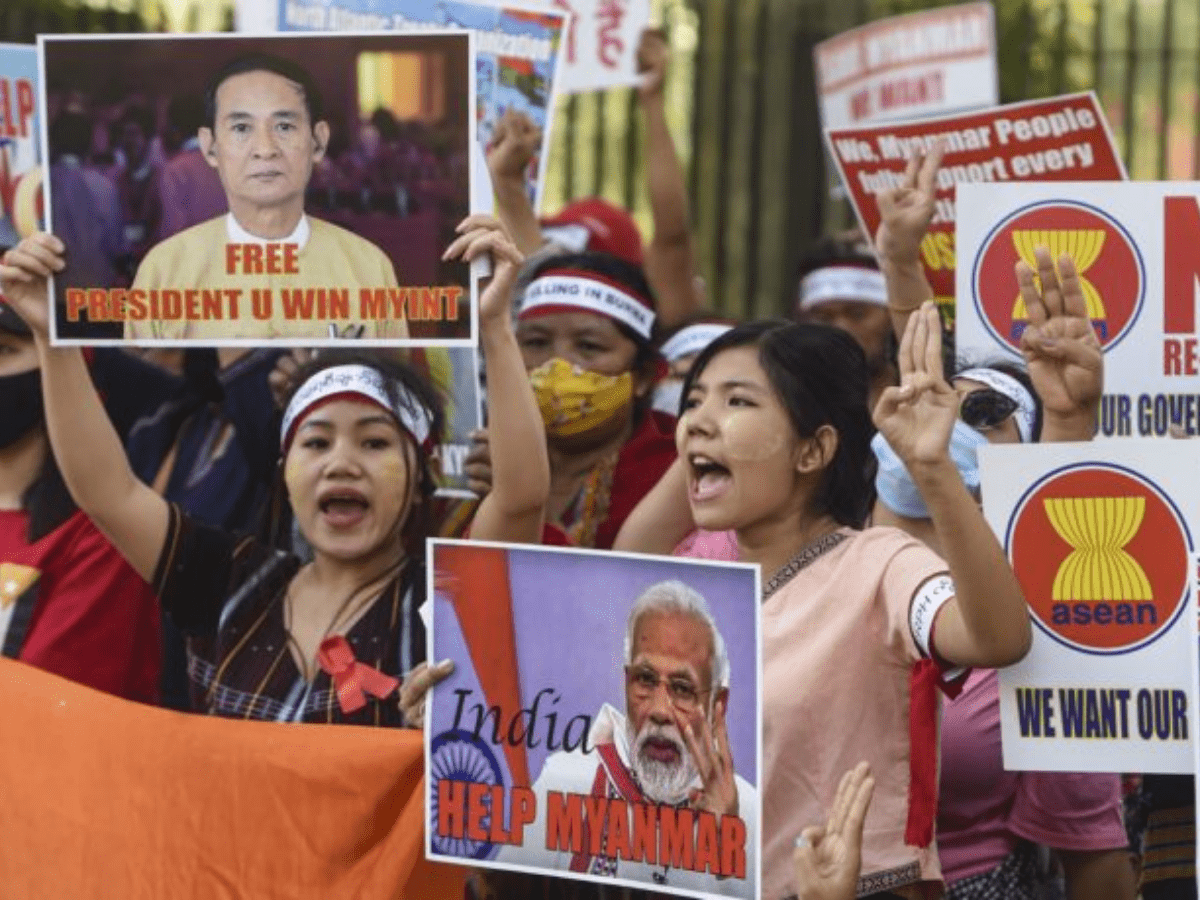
{"points": [[643, 460], [71, 605]]}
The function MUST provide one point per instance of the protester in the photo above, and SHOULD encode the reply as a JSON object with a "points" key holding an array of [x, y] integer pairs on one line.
{"points": [[270, 638], [773, 404], [585, 324], [680, 349], [989, 820], [587, 328], [210, 448], [594, 224], [840, 285], [69, 603]]}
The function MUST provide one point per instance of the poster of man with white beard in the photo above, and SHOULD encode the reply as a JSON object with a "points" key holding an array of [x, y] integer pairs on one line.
{"points": [[602, 719]]}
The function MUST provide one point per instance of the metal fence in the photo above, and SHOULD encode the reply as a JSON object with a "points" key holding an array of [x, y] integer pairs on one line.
{"points": [[742, 109]]}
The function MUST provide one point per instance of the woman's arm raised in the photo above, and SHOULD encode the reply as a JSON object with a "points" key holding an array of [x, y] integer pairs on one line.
{"points": [[514, 144], [515, 508], [986, 623], [85, 444], [905, 213], [671, 256]]}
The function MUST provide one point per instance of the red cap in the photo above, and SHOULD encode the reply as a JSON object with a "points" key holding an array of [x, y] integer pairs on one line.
{"points": [[600, 226]]}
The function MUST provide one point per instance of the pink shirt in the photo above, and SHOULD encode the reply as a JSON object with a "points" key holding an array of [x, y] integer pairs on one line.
{"points": [[838, 652], [985, 811]]}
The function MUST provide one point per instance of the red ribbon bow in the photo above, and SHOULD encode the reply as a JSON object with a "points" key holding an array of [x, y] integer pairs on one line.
{"points": [[352, 679]]}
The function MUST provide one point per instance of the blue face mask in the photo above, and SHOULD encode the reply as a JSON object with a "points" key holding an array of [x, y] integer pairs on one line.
{"points": [[895, 486]]}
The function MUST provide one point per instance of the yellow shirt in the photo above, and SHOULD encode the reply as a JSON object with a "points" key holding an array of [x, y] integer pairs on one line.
{"points": [[197, 285]]}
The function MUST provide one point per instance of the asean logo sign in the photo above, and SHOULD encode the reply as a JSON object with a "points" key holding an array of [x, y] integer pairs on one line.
{"points": [[1110, 267], [1103, 557]]}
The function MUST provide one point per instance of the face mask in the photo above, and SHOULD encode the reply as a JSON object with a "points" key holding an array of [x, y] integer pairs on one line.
{"points": [[895, 486], [20, 405], [668, 396], [574, 401]]}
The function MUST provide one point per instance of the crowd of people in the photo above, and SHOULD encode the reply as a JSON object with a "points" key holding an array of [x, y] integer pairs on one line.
{"points": [[276, 508]]}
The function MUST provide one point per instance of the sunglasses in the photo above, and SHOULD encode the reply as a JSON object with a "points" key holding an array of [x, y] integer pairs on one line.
{"points": [[986, 408]]}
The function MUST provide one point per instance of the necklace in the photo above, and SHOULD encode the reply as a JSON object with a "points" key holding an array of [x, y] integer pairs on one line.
{"points": [[805, 557]]}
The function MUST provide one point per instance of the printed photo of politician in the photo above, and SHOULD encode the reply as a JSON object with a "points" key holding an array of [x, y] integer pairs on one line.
{"points": [[629, 709], [284, 189]]}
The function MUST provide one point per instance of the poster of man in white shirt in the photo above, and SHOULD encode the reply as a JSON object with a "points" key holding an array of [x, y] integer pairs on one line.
{"points": [[632, 704]]}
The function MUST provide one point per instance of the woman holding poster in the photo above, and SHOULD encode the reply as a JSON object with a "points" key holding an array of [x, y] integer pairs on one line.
{"points": [[861, 627], [269, 637]]}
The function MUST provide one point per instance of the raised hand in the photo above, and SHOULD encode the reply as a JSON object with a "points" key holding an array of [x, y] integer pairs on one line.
{"points": [[827, 858], [23, 273], [905, 212], [917, 417], [652, 56], [515, 141], [480, 234], [718, 791], [1060, 346], [282, 377]]}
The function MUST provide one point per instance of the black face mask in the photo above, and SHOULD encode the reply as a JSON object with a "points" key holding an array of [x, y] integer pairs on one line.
{"points": [[20, 406]]}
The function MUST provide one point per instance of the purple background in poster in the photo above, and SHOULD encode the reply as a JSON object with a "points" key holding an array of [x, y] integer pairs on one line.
{"points": [[569, 614]]}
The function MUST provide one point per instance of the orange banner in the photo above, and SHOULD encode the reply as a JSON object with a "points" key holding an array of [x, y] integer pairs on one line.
{"points": [[102, 797]]}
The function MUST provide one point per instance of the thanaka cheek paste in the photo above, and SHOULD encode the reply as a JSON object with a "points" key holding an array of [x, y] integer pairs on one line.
{"points": [[391, 473], [745, 441], [291, 470]]}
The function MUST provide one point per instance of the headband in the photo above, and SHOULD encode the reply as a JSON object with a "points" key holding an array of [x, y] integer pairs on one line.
{"points": [[587, 291], [843, 283], [1012, 389], [691, 340], [357, 381]]}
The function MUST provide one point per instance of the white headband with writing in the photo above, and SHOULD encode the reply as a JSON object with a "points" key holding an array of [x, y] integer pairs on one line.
{"points": [[1005, 384], [590, 295], [691, 340], [843, 283], [365, 382]]}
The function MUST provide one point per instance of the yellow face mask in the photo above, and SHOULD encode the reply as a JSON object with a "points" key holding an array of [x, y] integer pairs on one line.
{"points": [[574, 401]]}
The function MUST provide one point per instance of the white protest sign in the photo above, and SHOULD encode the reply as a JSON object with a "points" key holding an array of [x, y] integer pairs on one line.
{"points": [[255, 16], [921, 64], [1134, 247], [1100, 537], [601, 45]]}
